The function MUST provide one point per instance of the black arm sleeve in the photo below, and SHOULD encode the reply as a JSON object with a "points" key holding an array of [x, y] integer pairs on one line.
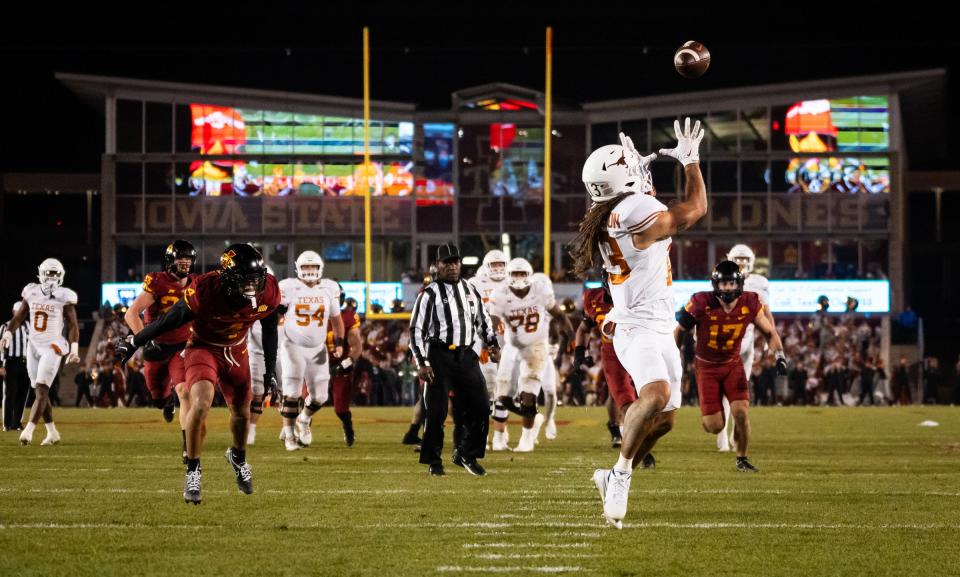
{"points": [[686, 320], [178, 315], [588, 322], [270, 341]]}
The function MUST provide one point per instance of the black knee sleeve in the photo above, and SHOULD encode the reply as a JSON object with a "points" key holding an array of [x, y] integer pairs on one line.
{"points": [[499, 412], [509, 404], [256, 407], [314, 406], [290, 408], [528, 410]]}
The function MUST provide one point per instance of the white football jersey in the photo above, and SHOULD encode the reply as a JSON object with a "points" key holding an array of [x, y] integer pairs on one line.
{"points": [[46, 318], [639, 279], [308, 310], [760, 285], [526, 319], [255, 339], [486, 287]]}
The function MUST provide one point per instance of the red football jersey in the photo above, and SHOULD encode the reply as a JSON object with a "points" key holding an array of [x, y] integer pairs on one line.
{"points": [[719, 332], [350, 320], [215, 321], [596, 305], [166, 290]]}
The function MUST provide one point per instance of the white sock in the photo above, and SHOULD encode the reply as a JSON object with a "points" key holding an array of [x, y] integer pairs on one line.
{"points": [[51, 428], [623, 465], [621, 431], [288, 429], [28, 430], [253, 428], [498, 437]]}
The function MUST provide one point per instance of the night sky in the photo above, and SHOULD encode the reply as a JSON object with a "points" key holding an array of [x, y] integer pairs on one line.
{"points": [[421, 53]]}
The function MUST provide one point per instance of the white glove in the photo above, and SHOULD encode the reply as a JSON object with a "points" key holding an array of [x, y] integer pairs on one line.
{"points": [[6, 339], [635, 162], [688, 143], [74, 356]]}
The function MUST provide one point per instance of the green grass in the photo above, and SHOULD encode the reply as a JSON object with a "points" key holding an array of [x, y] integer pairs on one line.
{"points": [[841, 492]]}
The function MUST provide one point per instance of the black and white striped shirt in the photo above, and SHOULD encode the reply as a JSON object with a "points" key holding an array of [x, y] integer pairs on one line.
{"points": [[448, 314], [18, 346]]}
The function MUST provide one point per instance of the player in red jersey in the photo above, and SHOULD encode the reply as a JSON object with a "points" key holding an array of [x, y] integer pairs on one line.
{"points": [[163, 364], [341, 385], [223, 304], [720, 318], [596, 304]]}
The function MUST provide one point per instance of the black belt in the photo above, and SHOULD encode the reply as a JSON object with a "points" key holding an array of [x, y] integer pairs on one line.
{"points": [[18, 359], [450, 347]]}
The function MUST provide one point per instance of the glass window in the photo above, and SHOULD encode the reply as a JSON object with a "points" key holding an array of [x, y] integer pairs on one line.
{"points": [[754, 176], [158, 177], [277, 132], [876, 258], [159, 127], [723, 213], [723, 176], [662, 133], [129, 262], [814, 255], [603, 134], [785, 259], [753, 212], [129, 178], [846, 259], [638, 131], [695, 261], [665, 176], [183, 127], [723, 131], [755, 129], [129, 126]]}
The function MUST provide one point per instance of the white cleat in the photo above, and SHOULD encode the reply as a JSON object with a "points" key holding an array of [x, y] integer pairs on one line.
{"points": [[617, 490], [304, 432], [283, 434], [52, 438], [291, 444], [25, 437], [600, 480], [499, 446], [537, 425], [550, 432], [526, 444], [723, 444]]}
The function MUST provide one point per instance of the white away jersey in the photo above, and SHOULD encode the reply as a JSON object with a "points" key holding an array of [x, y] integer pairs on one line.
{"points": [[527, 320], [308, 310], [639, 279], [46, 316], [255, 339], [760, 285], [486, 287]]}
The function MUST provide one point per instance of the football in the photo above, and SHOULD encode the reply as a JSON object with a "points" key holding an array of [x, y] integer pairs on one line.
{"points": [[692, 59]]}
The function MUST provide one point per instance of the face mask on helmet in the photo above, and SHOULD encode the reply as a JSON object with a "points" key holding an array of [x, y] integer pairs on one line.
{"points": [[179, 258], [519, 280], [742, 255], [244, 274], [497, 271], [50, 275], [727, 281], [309, 266]]}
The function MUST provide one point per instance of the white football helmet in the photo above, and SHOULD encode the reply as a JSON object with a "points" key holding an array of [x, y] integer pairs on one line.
{"points": [[309, 258], [606, 174], [495, 257], [523, 271], [743, 256], [50, 274], [539, 277]]}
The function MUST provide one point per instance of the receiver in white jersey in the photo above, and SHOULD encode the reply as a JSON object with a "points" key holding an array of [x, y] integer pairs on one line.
{"points": [[643, 308], [639, 279], [46, 344], [486, 286]]}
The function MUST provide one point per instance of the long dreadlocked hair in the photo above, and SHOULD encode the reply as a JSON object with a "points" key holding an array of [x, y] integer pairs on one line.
{"points": [[585, 248]]}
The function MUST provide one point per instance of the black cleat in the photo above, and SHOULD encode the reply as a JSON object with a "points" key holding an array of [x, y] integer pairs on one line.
{"points": [[649, 462], [744, 466], [243, 473], [191, 488], [469, 465], [168, 410], [436, 470], [349, 437], [411, 438]]}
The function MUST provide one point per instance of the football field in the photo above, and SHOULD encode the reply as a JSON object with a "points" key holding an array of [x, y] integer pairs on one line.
{"points": [[842, 491]]}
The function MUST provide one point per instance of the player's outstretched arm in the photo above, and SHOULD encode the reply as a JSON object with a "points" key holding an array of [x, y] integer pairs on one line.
{"points": [[178, 315]]}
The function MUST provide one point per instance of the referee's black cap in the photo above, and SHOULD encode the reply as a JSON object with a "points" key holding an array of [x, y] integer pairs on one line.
{"points": [[448, 252]]}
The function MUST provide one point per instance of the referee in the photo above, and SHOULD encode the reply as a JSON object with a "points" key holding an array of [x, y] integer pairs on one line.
{"points": [[447, 318], [16, 381]]}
